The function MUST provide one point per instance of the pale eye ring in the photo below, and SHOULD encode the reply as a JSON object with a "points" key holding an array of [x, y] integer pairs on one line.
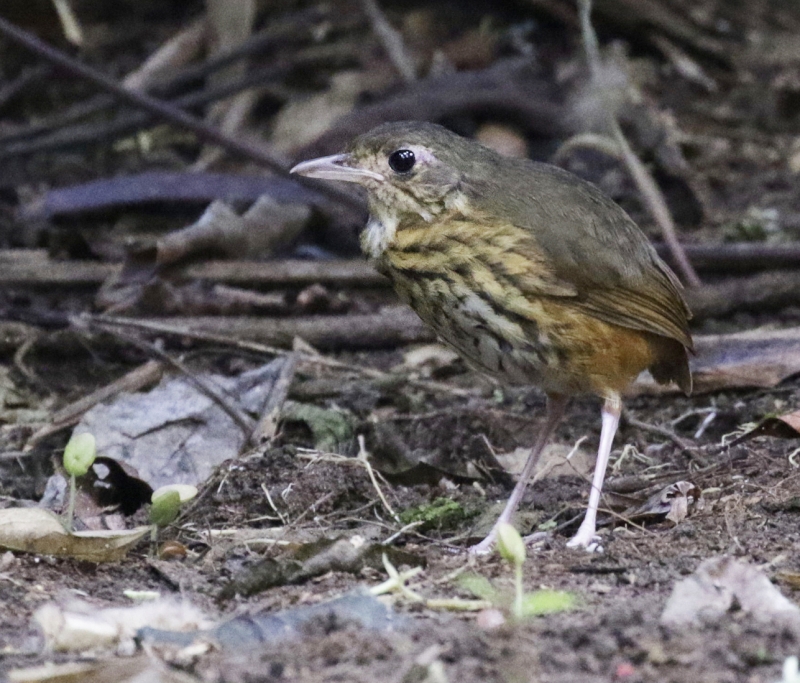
{"points": [[402, 161]]}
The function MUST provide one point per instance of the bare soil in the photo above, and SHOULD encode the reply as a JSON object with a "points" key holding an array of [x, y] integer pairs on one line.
{"points": [[751, 512]]}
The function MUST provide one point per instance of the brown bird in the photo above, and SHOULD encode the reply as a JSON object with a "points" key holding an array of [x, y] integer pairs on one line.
{"points": [[531, 274]]}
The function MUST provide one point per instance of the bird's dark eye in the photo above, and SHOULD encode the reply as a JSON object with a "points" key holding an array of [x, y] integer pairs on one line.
{"points": [[402, 161]]}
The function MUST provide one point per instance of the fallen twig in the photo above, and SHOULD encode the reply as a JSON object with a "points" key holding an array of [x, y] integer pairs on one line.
{"points": [[644, 181], [738, 257], [26, 78], [242, 420], [393, 326], [683, 444], [164, 110], [275, 35], [267, 426], [181, 330], [137, 379], [392, 41], [763, 292]]}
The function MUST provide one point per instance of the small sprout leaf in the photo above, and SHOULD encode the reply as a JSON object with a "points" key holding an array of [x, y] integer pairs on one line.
{"points": [[479, 586], [546, 602], [80, 454], [165, 509], [510, 545], [185, 492]]}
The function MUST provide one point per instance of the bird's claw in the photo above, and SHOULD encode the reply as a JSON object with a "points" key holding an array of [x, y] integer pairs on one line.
{"points": [[586, 539], [484, 547]]}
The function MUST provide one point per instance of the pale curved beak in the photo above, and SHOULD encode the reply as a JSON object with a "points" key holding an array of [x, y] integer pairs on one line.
{"points": [[335, 167]]}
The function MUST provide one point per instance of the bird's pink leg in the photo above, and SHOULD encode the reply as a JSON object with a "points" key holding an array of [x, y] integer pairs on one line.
{"points": [[556, 404], [586, 536]]}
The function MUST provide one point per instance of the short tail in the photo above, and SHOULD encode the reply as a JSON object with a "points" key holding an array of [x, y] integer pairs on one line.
{"points": [[672, 364]]}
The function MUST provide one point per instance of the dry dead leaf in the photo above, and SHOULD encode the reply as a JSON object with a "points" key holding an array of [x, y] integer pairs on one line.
{"points": [[175, 433], [759, 358], [300, 122], [118, 670], [785, 426], [721, 584], [673, 502], [34, 530], [503, 139], [428, 358], [81, 626], [264, 228], [792, 579], [556, 460]]}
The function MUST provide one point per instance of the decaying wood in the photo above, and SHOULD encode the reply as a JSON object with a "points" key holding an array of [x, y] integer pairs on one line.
{"points": [[758, 293], [765, 291], [393, 326], [267, 425], [741, 257], [343, 273], [165, 187], [33, 267]]}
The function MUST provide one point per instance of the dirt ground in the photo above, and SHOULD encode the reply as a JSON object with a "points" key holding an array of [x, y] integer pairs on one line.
{"points": [[613, 634]]}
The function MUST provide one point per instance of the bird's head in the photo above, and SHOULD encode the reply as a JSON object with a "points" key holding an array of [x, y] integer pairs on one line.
{"points": [[408, 169]]}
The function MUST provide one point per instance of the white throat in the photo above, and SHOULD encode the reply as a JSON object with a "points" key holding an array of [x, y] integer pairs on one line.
{"points": [[382, 227], [380, 230]]}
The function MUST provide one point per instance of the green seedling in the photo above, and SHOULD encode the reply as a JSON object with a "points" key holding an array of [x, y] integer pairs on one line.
{"points": [[79, 455], [166, 506], [512, 550]]}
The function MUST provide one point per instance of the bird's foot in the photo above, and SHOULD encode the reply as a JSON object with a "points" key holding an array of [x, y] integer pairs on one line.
{"points": [[587, 539], [485, 546]]}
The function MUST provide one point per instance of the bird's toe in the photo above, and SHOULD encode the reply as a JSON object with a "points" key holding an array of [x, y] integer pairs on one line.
{"points": [[589, 541]]}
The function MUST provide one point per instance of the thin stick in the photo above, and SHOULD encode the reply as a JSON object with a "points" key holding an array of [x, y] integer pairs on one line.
{"points": [[163, 110], [661, 431], [147, 374], [28, 76], [644, 181], [313, 358], [243, 421], [267, 426], [391, 40], [270, 37], [364, 459]]}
